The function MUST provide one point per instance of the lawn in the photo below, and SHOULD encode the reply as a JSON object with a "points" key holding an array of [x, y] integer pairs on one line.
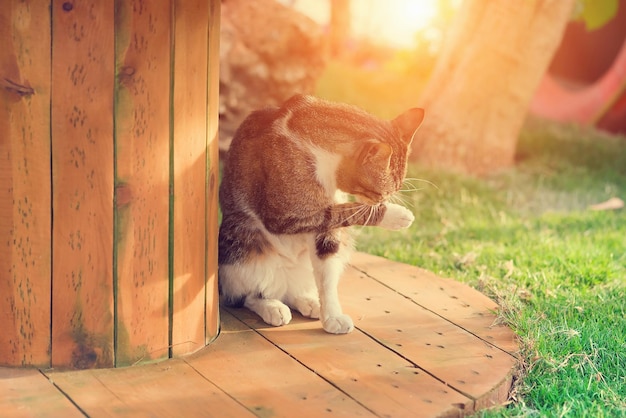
{"points": [[527, 238]]}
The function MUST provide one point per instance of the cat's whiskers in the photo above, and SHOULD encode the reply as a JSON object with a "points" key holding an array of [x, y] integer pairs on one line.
{"points": [[408, 186], [337, 209], [412, 187], [365, 208], [370, 210], [400, 199], [360, 211]]}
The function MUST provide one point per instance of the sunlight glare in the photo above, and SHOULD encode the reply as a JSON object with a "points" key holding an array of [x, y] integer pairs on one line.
{"points": [[418, 13], [393, 22]]}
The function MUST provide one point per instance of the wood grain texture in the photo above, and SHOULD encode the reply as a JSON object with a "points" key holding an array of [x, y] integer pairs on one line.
{"points": [[432, 342], [82, 169], [129, 257], [392, 327], [143, 30], [170, 389], [364, 369], [472, 311], [401, 360], [25, 213], [28, 393], [212, 297], [189, 144], [267, 381]]}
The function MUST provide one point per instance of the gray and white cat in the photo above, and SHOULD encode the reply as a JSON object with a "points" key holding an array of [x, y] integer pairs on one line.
{"points": [[283, 241]]}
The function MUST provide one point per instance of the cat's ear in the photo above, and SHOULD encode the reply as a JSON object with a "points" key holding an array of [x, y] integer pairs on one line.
{"points": [[408, 123], [377, 153]]}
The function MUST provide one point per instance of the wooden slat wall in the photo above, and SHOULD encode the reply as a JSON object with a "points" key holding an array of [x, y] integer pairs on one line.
{"points": [[108, 181], [142, 135], [189, 174], [82, 183], [24, 183]]}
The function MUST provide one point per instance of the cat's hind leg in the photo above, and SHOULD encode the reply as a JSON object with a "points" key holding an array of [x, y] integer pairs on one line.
{"points": [[292, 287], [301, 289], [308, 306], [272, 311], [253, 284]]}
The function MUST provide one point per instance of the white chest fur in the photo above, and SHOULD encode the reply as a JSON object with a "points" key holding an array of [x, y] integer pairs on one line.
{"points": [[326, 165]]}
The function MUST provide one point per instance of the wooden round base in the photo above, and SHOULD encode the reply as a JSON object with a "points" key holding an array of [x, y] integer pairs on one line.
{"points": [[423, 346]]}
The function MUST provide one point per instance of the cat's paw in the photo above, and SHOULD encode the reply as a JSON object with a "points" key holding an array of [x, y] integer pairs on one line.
{"points": [[396, 217], [341, 324], [275, 313], [308, 307]]}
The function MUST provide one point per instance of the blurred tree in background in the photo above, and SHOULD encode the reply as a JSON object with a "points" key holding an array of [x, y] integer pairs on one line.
{"points": [[339, 25], [494, 56]]}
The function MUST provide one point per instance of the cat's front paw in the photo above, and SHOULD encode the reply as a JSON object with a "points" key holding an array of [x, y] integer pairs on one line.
{"points": [[341, 324], [396, 217]]}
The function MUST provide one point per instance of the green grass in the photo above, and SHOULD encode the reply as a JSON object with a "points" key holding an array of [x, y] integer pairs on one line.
{"points": [[527, 238]]}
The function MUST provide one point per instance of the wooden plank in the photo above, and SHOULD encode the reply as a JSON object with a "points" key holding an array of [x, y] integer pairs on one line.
{"points": [[28, 393], [189, 176], [443, 349], [167, 389], [82, 169], [142, 128], [212, 319], [25, 216], [364, 369], [265, 380], [448, 298], [212, 305]]}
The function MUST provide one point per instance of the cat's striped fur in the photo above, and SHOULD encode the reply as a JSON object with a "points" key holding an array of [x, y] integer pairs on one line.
{"points": [[283, 241]]}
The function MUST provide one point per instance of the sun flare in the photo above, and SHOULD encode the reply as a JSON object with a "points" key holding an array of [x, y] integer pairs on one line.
{"points": [[393, 22], [408, 16]]}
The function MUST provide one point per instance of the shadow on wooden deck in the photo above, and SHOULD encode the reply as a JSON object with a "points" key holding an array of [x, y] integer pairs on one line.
{"points": [[423, 346]]}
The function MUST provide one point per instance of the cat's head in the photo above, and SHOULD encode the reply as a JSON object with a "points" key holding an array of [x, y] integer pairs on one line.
{"points": [[374, 151], [377, 166]]}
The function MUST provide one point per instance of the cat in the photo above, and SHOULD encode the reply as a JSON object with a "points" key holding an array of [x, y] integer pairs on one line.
{"points": [[283, 240]]}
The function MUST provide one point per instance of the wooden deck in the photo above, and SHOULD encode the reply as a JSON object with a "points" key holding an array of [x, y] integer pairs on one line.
{"points": [[423, 346]]}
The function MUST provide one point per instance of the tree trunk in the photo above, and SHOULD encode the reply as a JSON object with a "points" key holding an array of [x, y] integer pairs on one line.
{"points": [[339, 26], [476, 101]]}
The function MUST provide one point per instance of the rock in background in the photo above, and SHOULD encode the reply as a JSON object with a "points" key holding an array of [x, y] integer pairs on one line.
{"points": [[268, 52]]}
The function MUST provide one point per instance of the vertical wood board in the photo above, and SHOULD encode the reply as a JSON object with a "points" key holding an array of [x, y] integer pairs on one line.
{"points": [[142, 180], [189, 176], [212, 298], [25, 216], [82, 169]]}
